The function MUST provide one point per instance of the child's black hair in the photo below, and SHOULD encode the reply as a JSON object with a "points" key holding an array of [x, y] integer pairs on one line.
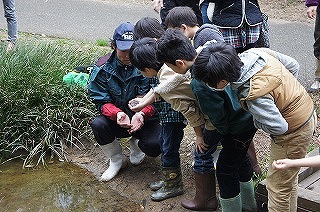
{"points": [[218, 61], [143, 54], [148, 27], [181, 15], [174, 45]]}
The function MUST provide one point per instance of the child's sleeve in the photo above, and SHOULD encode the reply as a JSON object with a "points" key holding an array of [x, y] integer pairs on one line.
{"points": [[266, 115], [190, 110], [169, 81], [290, 63]]}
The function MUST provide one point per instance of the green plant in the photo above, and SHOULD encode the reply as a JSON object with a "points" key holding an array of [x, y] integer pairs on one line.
{"points": [[39, 114], [101, 42]]}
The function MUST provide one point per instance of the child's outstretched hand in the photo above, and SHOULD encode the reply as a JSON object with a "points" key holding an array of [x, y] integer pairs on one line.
{"points": [[135, 105], [281, 164], [200, 145]]}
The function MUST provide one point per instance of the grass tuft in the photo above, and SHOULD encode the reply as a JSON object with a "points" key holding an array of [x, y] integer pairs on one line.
{"points": [[39, 114]]}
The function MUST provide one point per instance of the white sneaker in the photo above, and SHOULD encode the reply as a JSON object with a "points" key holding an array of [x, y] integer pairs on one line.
{"points": [[315, 86]]}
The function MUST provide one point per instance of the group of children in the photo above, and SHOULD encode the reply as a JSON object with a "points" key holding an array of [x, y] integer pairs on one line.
{"points": [[225, 97]]}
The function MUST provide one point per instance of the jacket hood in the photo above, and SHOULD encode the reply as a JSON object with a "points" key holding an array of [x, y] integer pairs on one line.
{"points": [[253, 62], [205, 33]]}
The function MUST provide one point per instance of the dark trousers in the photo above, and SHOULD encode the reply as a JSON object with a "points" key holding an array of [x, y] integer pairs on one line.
{"points": [[171, 137], [106, 130], [169, 4], [316, 45], [233, 165]]}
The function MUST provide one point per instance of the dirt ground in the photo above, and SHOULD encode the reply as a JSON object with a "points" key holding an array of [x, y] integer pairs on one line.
{"points": [[133, 181]]}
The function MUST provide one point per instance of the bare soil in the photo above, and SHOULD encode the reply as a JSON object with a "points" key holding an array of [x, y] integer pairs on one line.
{"points": [[133, 181]]}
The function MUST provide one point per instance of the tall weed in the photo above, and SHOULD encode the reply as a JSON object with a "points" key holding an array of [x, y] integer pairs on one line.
{"points": [[38, 113]]}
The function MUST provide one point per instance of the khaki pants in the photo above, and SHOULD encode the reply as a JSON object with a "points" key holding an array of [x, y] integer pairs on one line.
{"points": [[282, 185]]}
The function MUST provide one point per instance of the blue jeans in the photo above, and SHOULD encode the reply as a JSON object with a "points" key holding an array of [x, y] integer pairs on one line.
{"points": [[233, 165], [171, 137], [204, 11], [10, 15], [203, 162]]}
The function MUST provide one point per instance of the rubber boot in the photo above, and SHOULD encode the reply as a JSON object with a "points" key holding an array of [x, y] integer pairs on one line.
{"points": [[156, 185], [233, 204], [114, 153], [172, 185], [248, 196], [205, 198], [136, 155]]}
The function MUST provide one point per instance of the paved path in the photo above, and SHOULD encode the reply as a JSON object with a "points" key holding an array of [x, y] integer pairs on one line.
{"points": [[96, 19]]}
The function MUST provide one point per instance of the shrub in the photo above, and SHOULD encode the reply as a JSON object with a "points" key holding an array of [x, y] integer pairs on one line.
{"points": [[38, 113]]}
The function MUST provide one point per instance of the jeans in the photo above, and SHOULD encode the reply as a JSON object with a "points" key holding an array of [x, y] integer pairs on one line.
{"points": [[233, 165], [316, 45], [106, 130], [203, 162], [171, 137], [204, 11], [10, 15]]}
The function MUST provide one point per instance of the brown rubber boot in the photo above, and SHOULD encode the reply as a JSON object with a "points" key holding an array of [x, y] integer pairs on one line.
{"points": [[205, 199]]}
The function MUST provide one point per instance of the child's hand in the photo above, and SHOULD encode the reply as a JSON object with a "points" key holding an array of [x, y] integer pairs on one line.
{"points": [[135, 105], [200, 145], [281, 164]]}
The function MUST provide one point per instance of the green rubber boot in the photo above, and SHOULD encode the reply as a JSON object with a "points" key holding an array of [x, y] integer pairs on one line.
{"points": [[233, 204], [172, 184], [249, 203]]}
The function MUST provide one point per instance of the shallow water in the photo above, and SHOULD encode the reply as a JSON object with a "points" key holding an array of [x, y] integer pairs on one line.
{"points": [[58, 187]]}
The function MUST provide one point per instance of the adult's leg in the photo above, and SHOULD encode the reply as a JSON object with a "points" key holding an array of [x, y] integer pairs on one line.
{"points": [[149, 138], [167, 6], [106, 133], [106, 130], [204, 12], [316, 50], [282, 184], [10, 15]]}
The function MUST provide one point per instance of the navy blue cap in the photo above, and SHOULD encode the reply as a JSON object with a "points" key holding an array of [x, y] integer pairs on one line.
{"points": [[123, 36]]}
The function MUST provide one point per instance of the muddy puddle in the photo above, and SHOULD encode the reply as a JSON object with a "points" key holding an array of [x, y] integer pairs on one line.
{"points": [[57, 187]]}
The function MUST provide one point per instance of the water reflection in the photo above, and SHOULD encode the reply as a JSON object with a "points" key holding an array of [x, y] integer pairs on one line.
{"points": [[59, 187]]}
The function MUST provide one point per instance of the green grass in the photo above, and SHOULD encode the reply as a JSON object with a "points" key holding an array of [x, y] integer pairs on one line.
{"points": [[101, 42], [39, 114]]}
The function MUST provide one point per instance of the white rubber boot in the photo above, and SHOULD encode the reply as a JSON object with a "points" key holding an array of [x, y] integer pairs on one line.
{"points": [[136, 155], [114, 153]]}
